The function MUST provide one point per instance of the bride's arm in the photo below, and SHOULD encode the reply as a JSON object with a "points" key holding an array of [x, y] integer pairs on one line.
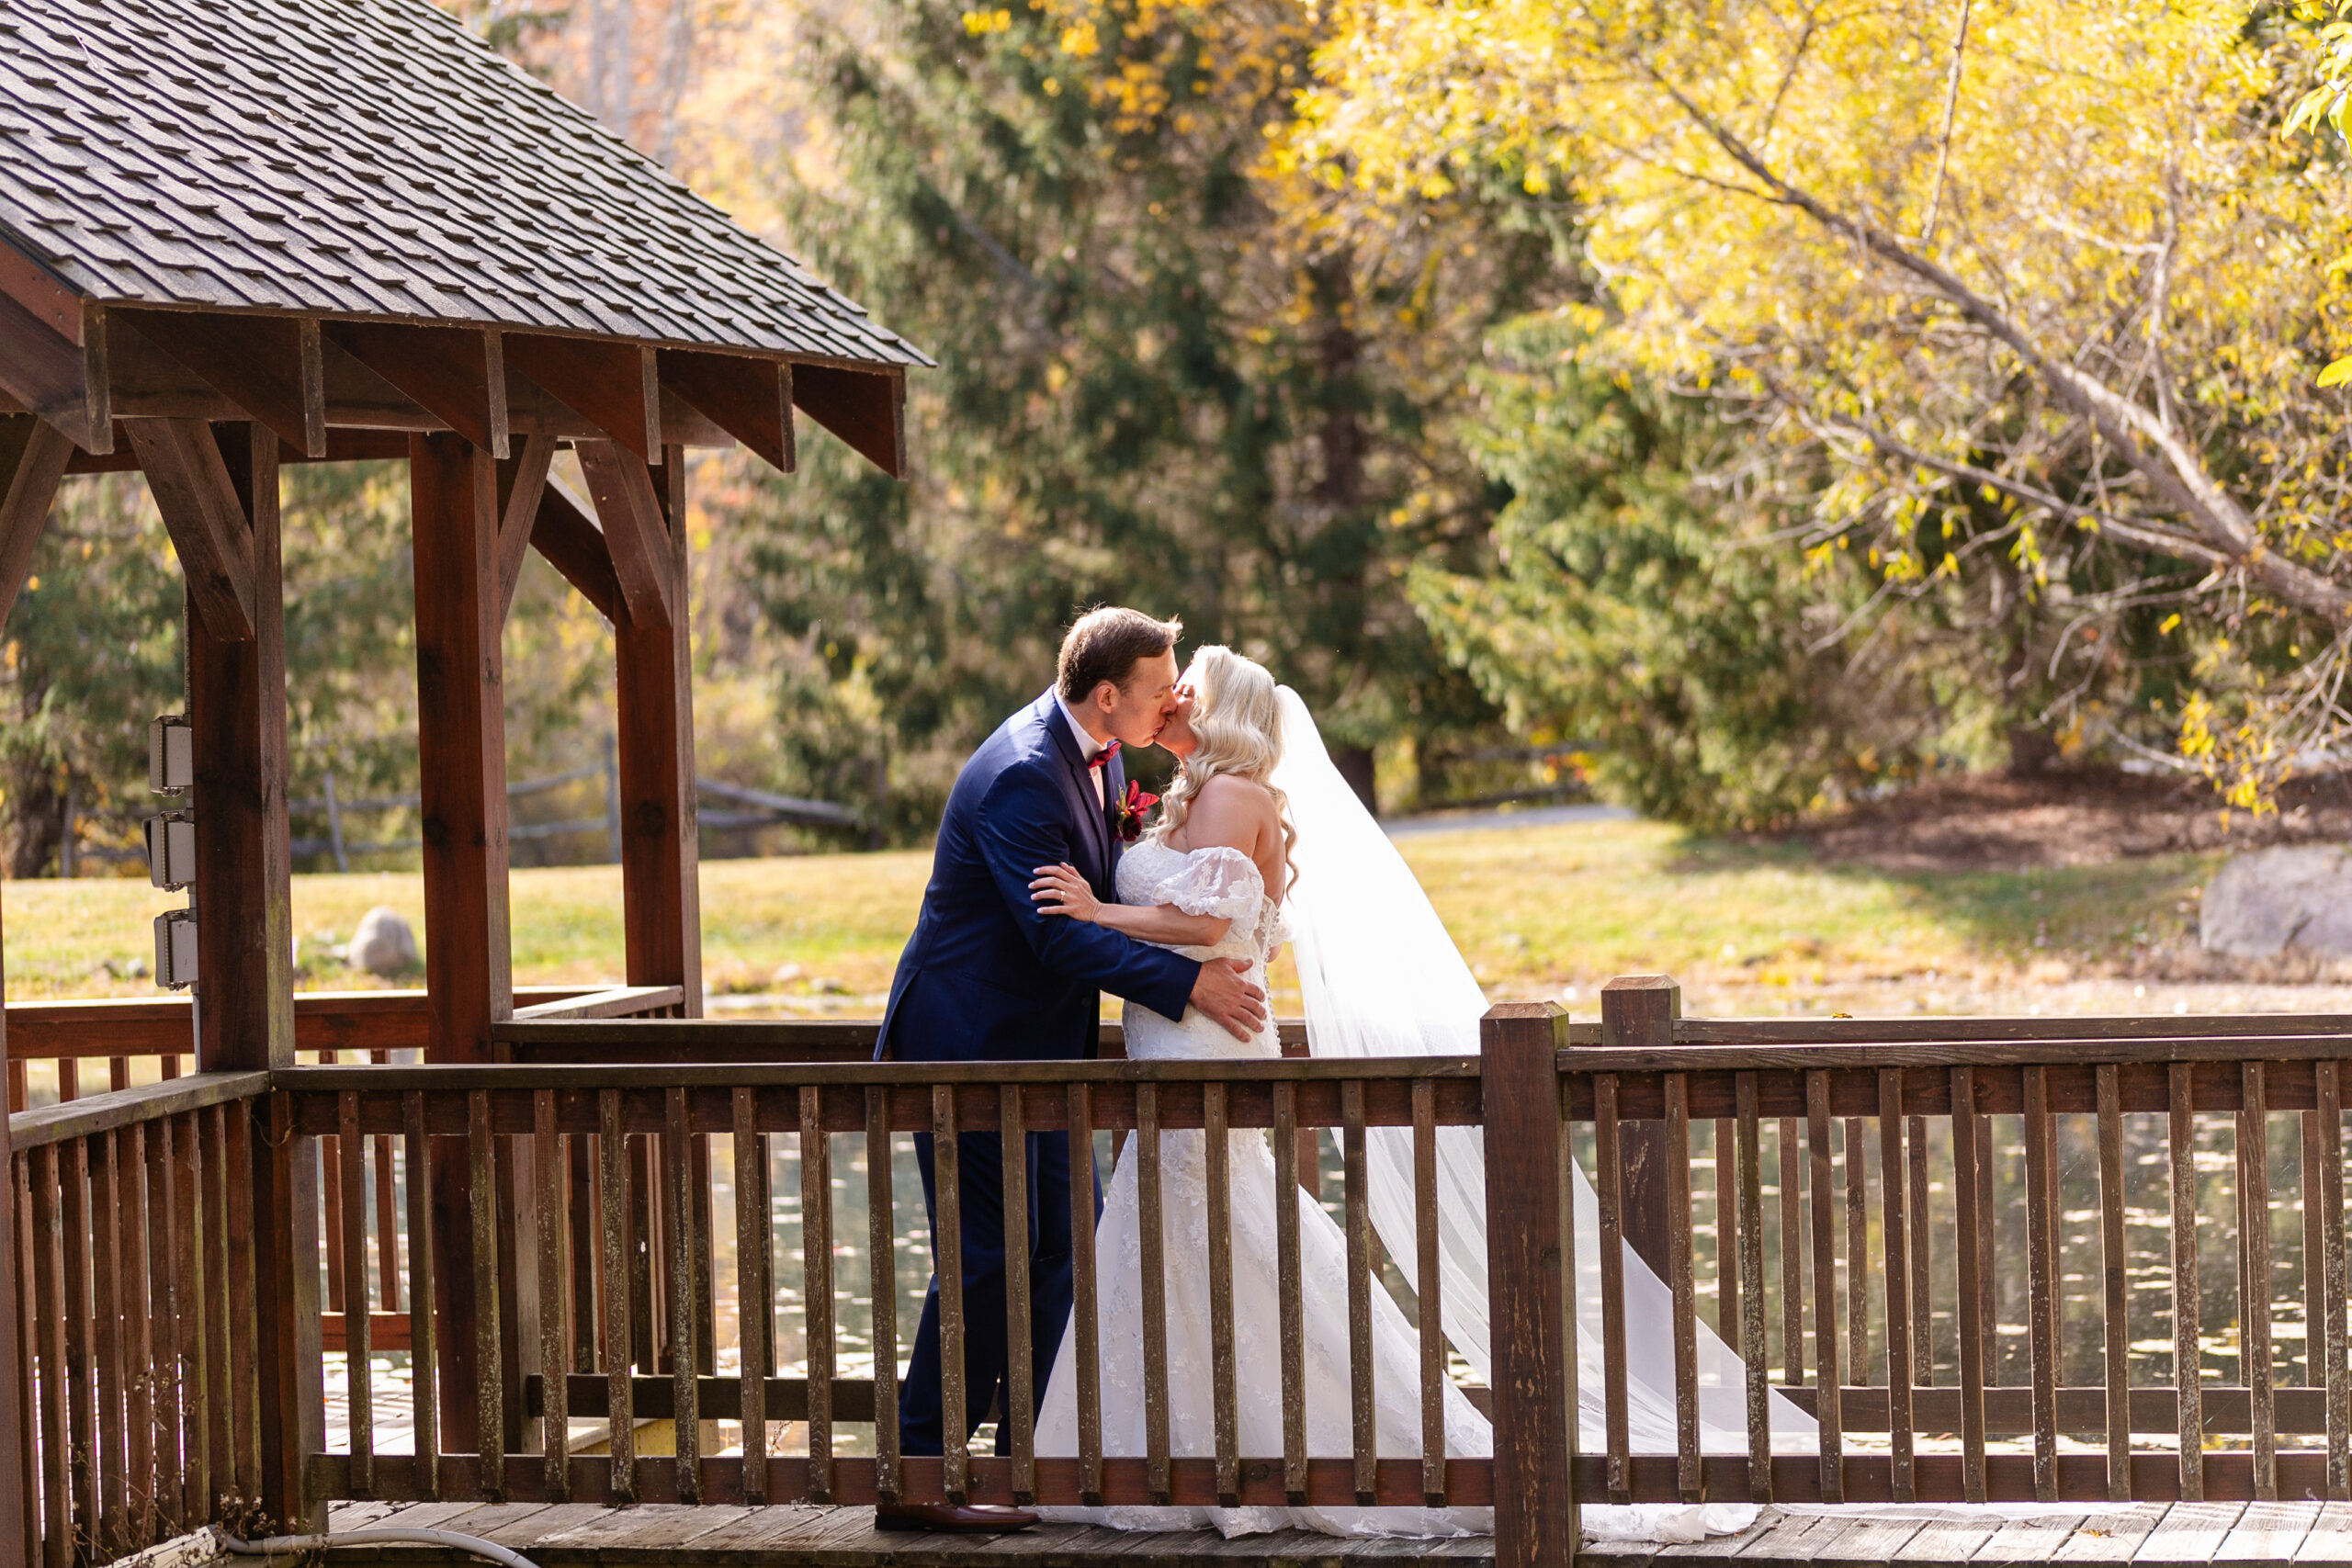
{"points": [[1060, 890]]}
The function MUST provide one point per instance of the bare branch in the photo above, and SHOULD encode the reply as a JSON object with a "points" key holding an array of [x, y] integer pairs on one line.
{"points": [[1952, 107]]}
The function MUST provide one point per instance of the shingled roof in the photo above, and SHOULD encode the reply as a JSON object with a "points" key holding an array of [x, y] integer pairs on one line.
{"points": [[369, 158]]}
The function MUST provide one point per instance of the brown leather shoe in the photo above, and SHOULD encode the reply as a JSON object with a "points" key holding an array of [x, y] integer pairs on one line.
{"points": [[976, 1519]]}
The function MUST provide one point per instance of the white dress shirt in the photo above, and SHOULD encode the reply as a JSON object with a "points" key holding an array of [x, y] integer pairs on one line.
{"points": [[1087, 747]]}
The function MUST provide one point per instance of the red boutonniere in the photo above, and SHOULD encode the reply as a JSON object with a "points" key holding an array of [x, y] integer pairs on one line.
{"points": [[1130, 811]]}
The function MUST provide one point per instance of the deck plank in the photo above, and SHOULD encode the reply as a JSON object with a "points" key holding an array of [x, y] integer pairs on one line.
{"points": [[550, 1523], [1943, 1542], [2188, 1533], [1793, 1538], [2112, 1537], [1868, 1541], [2028, 1540], [2330, 1540], [1767, 1520], [2268, 1533]]}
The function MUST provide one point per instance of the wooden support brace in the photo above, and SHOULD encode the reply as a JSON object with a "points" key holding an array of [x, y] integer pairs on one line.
{"points": [[193, 490], [456, 374], [33, 454], [564, 533], [749, 399], [864, 408], [267, 366], [636, 532], [661, 898], [615, 386], [522, 480], [53, 353]]}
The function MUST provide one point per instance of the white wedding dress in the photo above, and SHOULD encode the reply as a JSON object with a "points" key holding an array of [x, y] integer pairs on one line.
{"points": [[1225, 882]]}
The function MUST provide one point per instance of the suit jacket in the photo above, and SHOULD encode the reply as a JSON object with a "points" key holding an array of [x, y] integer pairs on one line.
{"points": [[985, 976]]}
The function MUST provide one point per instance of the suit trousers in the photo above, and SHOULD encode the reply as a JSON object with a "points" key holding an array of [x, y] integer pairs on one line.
{"points": [[986, 1365]]}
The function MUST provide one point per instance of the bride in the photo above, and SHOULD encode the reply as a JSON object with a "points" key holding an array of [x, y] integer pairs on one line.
{"points": [[1260, 826]]}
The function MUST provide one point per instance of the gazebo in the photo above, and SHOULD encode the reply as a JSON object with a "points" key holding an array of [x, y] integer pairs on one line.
{"points": [[239, 235]]}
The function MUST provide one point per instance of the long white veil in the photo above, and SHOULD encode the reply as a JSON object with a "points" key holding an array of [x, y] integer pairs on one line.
{"points": [[1381, 977]]}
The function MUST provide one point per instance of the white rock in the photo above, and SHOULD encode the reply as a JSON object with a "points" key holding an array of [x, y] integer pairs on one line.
{"points": [[383, 944], [2294, 898]]}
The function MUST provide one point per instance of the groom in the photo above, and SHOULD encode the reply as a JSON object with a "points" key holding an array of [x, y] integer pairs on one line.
{"points": [[987, 978]]}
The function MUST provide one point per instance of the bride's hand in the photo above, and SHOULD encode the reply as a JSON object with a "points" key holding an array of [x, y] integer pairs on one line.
{"points": [[1059, 890]]}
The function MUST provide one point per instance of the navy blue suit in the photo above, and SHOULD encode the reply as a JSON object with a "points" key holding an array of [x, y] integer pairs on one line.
{"points": [[987, 978]]}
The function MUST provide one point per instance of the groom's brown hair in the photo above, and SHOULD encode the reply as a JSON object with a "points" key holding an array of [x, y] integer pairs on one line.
{"points": [[1106, 644]]}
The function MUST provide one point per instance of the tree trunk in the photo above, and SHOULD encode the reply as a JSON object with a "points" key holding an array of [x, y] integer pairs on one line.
{"points": [[1354, 763]]}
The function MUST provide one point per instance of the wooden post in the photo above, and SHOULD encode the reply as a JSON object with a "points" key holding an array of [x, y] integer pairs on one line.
{"points": [[461, 747], [1531, 1261], [245, 989], [32, 458], [660, 887], [1638, 1014]]}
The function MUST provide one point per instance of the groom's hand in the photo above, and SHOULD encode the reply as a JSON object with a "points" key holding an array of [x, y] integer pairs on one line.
{"points": [[1239, 1007]]}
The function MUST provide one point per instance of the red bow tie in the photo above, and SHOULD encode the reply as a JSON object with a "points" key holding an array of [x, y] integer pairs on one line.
{"points": [[1110, 750]]}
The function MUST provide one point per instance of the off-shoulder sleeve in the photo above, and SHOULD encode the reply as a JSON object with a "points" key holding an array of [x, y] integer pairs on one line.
{"points": [[1219, 882]]}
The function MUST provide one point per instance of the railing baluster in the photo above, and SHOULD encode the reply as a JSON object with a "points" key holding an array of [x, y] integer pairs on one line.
{"points": [[1430, 1294], [1855, 1159], [1901, 1228], [1086, 1348], [2254, 1234], [1289, 1285], [490, 1394], [2314, 1290], [678, 1157], [388, 1239], [1610, 1164], [423, 1371], [1922, 1235], [881, 1235], [1020, 1408], [2041, 1321], [106, 1259], [138, 1354], [640, 1255], [212, 1146], [612, 1205], [755, 1298], [2331, 1239], [244, 1294], [1967, 1154], [1155, 1292], [1728, 1317], [947, 1251], [73, 1174], [2188, 1400], [359, 1372], [1825, 1285], [1217, 1171], [1680, 1284], [48, 1236], [551, 1184], [1364, 1429], [1987, 1264], [2116, 1270], [195, 1310], [163, 1324], [1750, 1228], [1791, 1254], [816, 1288]]}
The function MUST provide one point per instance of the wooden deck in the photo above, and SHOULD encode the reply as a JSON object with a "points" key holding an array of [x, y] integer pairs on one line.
{"points": [[587, 1535], [2154, 1535]]}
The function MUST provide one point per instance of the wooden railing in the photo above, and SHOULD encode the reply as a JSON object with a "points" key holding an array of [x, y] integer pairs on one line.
{"points": [[617, 1293], [141, 1315], [1960, 1245]]}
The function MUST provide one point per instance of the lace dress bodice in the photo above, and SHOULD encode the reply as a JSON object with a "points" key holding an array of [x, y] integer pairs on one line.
{"points": [[1214, 881]]}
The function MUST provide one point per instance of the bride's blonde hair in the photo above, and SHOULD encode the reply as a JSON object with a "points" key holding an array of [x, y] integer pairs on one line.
{"points": [[1237, 719]]}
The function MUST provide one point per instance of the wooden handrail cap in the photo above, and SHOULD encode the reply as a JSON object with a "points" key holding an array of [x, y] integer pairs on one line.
{"points": [[1641, 983]]}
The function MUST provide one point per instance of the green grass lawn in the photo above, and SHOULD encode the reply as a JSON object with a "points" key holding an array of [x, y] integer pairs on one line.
{"points": [[1538, 911]]}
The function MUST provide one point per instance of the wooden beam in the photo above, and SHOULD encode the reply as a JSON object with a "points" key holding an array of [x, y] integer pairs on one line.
{"points": [[636, 532], [574, 546], [201, 512], [63, 378], [343, 446], [456, 374], [864, 408], [521, 482], [660, 887], [749, 399], [616, 385], [269, 366], [33, 454]]}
